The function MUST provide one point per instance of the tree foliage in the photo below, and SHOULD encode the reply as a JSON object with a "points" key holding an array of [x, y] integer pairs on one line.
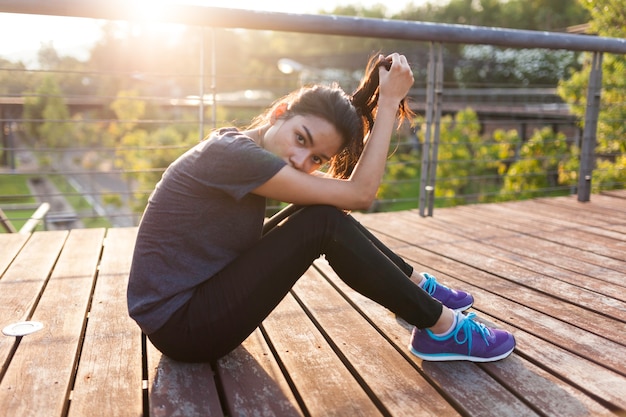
{"points": [[14, 79], [548, 15], [485, 65], [476, 167], [134, 68], [537, 167], [47, 115], [608, 19]]}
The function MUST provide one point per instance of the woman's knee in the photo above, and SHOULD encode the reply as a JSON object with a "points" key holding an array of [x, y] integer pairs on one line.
{"points": [[316, 224], [323, 212]]}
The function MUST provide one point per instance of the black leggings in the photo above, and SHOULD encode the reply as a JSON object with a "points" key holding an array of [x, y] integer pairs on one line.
{"points": [[226, 308]]}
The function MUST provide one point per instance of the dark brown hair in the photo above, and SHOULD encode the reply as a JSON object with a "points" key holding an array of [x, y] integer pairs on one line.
{"points": [[352, 115]]}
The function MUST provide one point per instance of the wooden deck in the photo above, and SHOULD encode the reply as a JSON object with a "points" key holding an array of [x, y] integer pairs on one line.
{"points": [[553, 271]]}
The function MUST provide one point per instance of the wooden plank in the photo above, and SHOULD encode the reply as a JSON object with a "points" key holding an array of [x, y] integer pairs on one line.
{"points": [[582, 368], [253, 382], [514, 258], [10, 245], [111, 357], [491, 215], [547, 393], [325, 385], [587, 366], [393, 380], [572, 258], [545, 217], [42, 369], [567, 285], [177, 389], [548, 220], [468, 251], [613, 193], [602, 274], [598, 288], [22, 283], [603, 205], [590, 381], [464, 384], [568, 209], [589, 336], [562, 232]]}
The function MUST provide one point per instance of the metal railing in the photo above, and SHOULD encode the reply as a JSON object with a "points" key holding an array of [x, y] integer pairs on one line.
{"points": [[434, 102]]}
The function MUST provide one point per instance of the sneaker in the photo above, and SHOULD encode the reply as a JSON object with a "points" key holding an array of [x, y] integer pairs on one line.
{"points": [[453, 299], [469, 341]]}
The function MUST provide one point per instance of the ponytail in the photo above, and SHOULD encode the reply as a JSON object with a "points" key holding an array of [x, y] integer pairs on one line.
{"points": [[365, 97], [365, 101]]}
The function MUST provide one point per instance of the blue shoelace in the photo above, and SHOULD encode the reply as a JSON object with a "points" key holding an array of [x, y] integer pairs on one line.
{"points": [[468, 325], [430, 285]]}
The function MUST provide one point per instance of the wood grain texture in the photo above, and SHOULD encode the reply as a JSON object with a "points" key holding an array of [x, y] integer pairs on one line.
{"points": [[549, 270], [177, 389], [111, 354], [39, 377], [253, 381]]}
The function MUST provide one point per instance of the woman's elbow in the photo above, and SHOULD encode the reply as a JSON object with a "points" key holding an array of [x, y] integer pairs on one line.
{"points": [[364, 201]]}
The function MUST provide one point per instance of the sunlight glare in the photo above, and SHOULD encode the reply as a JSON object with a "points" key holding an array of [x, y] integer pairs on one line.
{"points": [[149, 10]]}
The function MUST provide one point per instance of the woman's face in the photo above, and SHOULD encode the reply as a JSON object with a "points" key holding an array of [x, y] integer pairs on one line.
{"points": [[304, 142]]}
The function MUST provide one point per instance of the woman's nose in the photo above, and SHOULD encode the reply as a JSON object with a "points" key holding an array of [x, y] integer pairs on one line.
{"points": [[298, 159]]}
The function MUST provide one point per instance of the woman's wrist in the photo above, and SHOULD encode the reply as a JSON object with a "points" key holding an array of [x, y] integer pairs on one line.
{"points": [[386, 101], [388, 104]]}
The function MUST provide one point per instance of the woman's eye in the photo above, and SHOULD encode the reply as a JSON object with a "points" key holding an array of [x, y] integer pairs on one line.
{"points": [[300, 139], [317, 160]]}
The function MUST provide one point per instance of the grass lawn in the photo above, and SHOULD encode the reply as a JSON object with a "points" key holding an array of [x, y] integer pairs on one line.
{"points": [[14, 191]]}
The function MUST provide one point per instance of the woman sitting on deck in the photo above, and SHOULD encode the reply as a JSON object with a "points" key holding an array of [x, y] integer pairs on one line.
{"points": [[204, 276]]}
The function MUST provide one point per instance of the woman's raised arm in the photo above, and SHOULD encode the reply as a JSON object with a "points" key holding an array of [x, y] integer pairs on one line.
{"points": [[292, 184]]}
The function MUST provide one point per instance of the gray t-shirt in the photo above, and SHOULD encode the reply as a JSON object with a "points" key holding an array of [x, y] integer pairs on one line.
{"points": [[199, 218]]}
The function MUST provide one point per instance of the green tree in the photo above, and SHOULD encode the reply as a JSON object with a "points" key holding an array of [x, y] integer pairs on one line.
{"points": [[537, 168], [549, 15], [486, 65], [46, 115], [128, 109], [401, 181], [505, 149], [144, 156], [467, 168], [70, 74], [14, 79], [468, 163], [608, 19]]}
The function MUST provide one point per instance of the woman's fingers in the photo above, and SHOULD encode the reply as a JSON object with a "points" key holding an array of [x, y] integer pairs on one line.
{"points": [[399, 79]]}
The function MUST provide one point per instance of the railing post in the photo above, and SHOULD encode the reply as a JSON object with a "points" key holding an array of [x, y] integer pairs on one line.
{"points": [[437, 129], [587, 155], [430, 147]]}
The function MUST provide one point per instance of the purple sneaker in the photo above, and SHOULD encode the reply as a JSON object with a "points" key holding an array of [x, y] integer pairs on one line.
{"points": [[469, 341], [453, 299]]}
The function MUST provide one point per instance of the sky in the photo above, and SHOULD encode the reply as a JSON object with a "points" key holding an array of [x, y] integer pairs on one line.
{"points": [[23, 34]]}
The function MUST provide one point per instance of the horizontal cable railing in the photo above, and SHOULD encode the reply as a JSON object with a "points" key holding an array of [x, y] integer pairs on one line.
{"points": [[496, 143]]}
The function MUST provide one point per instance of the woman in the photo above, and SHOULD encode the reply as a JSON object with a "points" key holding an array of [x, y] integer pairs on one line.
{"points": [[204, 276]]}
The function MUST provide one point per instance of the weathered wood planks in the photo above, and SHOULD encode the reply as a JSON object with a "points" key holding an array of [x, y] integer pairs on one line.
{"points": [[553, 271]]}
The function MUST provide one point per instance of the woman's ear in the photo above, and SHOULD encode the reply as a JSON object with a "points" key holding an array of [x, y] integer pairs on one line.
{"points": [[278, 112]]}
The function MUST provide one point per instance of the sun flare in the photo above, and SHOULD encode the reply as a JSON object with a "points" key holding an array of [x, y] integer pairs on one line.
{"points": [[149, 10]]}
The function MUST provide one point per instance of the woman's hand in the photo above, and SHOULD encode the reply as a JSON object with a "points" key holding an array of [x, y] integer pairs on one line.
{"points": [[396, 82]]}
